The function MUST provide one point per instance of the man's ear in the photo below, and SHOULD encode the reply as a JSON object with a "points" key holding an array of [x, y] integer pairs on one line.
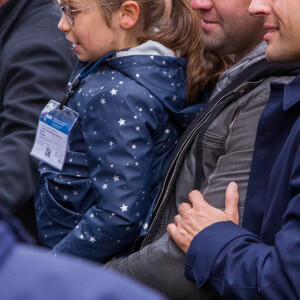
{"points": [[129, 14]]}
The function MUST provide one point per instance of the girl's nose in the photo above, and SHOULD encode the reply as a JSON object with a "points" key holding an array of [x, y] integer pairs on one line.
{"points": [[63, 24]]}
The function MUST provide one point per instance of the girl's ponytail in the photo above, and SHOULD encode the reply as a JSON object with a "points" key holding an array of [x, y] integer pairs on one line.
{"points": [[183, 34]]}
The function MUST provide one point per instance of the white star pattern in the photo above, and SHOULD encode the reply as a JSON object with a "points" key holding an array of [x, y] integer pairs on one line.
{"points": [[124, 207], [113, 92], [109, 137], [121, 122]]}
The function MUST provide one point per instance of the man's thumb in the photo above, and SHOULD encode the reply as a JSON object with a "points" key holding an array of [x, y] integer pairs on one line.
{"points": [[232, 201]]}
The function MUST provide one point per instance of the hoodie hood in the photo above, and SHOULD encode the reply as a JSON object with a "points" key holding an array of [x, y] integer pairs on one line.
{"points": [[156, 68]]}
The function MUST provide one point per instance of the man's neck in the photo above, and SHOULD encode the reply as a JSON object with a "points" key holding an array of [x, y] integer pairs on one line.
{"points": [[238, 56]]}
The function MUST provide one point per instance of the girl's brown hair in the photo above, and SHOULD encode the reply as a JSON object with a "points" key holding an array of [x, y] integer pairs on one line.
{"points": [[181, 33]]}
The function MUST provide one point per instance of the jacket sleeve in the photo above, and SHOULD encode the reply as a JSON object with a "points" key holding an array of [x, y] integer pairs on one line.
{"points": [[119, 145], [34, 69], [239, 265]]}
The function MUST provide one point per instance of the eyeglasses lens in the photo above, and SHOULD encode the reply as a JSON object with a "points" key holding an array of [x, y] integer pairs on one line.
{"points": [[65, 10]]}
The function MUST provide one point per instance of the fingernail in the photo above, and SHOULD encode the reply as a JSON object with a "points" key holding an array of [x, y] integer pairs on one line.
{"points": [[233, 185]]}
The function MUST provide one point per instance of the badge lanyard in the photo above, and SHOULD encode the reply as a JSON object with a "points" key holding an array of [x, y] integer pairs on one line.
{"points": [[56, 121], [83, 73]]}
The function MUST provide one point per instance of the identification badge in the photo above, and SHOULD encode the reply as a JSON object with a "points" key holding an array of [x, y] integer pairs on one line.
{"points": [[51, 141]]}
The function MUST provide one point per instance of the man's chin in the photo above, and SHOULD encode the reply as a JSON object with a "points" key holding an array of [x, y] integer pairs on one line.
{"points": [[273, 55]]}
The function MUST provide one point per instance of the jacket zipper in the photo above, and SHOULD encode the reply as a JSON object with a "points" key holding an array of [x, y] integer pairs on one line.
{"points": [[172, 169]]}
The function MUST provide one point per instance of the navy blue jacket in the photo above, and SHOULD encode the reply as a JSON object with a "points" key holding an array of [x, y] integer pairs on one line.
{"points": [[29, 273], [35, 64], [131, 113], [260, 260]]}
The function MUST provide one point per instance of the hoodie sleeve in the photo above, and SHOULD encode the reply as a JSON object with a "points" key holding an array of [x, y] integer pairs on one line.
{"points": [[119, 145]]}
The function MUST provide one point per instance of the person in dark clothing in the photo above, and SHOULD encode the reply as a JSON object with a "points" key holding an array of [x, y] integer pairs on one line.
{"points": [[260, 259], [35, 64]]}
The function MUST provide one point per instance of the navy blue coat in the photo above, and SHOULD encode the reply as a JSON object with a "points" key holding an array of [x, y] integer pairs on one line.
{"points": [[35, 64], [262, 259], [29, 273], [131, 113]]}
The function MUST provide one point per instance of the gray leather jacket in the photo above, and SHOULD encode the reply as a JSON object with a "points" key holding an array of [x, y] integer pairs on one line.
{"points": [[226, 154]]}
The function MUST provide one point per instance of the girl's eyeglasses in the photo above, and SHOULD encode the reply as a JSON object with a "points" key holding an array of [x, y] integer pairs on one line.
{"points": [[71, 13]]}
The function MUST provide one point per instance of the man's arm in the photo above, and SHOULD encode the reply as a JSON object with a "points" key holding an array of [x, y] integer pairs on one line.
{"points": [[234, 261]]}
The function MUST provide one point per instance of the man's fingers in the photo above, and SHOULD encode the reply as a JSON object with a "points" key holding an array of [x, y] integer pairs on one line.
{"points": [[172, 230], [232, 201], [196, 199], [177, 219], [184, 207]]}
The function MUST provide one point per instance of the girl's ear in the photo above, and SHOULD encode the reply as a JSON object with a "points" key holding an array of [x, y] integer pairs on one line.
{"points": [[129, 14]]}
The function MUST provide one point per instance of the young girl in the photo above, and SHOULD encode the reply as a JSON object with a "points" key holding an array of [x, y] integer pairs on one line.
{"points": [[132, 109]]}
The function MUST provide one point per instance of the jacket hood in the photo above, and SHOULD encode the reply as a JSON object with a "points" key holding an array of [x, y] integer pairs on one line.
{"points": [[156, 68]]}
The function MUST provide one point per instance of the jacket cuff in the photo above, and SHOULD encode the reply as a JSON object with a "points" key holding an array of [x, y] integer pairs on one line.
{"points": [[205, 248]]}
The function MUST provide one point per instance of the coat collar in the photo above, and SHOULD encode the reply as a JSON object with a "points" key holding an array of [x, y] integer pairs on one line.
{"points": [[292, 93], [9, 12]]}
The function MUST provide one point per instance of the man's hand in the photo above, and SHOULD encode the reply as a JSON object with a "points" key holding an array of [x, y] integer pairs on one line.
{"points": [[193, 218]]}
